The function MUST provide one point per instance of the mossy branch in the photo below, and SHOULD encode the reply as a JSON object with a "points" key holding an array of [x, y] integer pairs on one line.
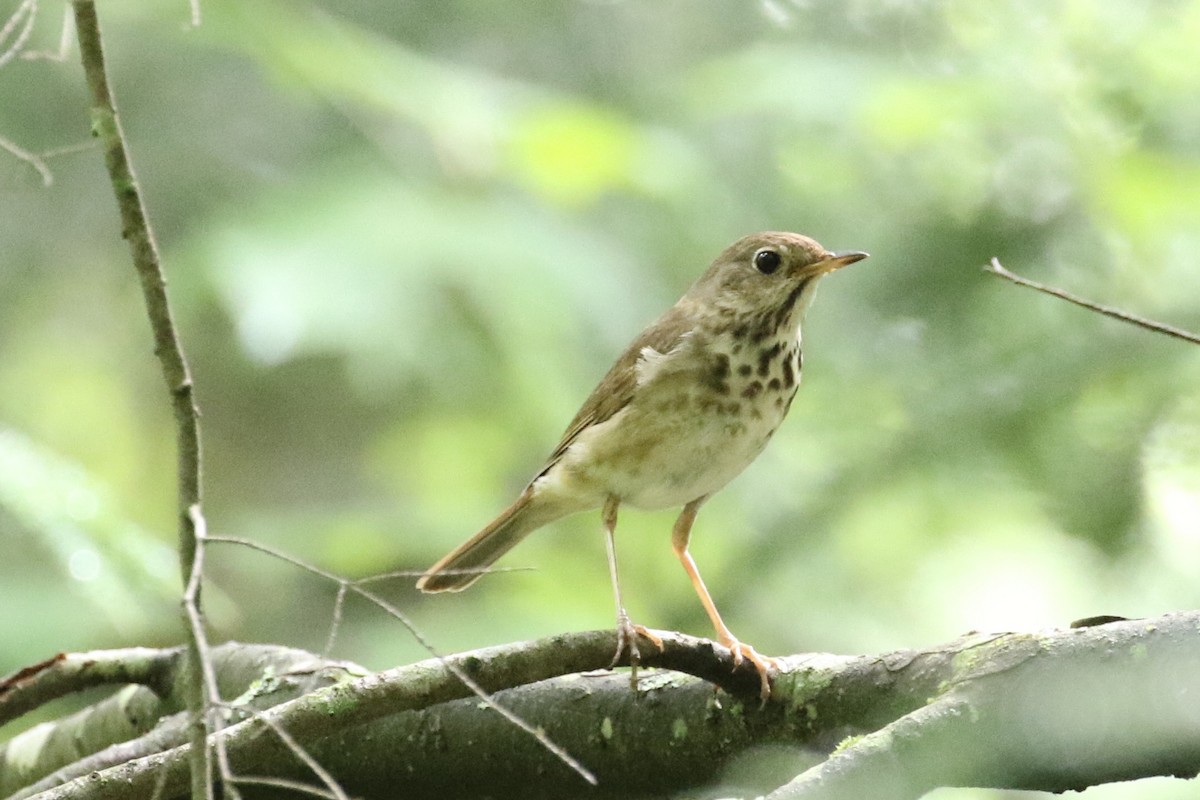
{"points": [[1050, 710]]}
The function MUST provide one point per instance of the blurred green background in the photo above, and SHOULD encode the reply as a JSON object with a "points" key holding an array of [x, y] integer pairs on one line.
{"points": [[404, 240]]}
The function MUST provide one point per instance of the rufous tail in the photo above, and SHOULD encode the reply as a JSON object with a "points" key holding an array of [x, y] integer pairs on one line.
{"points": [[467, 562]]}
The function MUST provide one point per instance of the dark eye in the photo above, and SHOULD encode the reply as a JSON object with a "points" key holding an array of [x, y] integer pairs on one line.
{"points": [[767, 261]]}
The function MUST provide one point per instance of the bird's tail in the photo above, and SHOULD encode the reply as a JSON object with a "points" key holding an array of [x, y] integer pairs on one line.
{"points": [[466, 563]]}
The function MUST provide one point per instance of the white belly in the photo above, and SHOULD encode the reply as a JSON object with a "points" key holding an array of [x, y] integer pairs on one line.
{"points": [[673, 444]]}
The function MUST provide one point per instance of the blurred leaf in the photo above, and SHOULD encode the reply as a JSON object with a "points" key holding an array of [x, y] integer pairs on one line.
{"points": [[110, 561], [1146, 194], [573, 154]]}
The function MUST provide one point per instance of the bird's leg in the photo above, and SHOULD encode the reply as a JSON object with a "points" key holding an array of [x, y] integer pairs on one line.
{"points": [[680, 536], [627, 632]]}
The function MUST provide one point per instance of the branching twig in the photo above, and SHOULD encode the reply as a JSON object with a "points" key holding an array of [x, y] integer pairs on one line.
{"points": [[130, 725], [39, 160], [299, 787], [332, 787], [64, 44], [345, 585], [996, 268], [199, 638], [32, 159], [135, 228], [28, 10]]}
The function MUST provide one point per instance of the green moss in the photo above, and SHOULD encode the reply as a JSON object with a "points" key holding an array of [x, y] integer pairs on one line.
{"points": [[804, 687], [849, 741], [337, 699], [104, 124], [996, 652], [679, 729]]}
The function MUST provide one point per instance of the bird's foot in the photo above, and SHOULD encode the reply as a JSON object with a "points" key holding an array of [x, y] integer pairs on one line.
{"points": [[627, 636], [764, 664]]}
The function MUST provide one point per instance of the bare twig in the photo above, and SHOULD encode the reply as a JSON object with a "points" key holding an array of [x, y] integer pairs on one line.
{"points": [[135, 228], [335, 624], [340, 601], [32, 159], [298, 787], [28, 10], [996, 268], [333, 788], [199, 638], [39, 161], [64, 44], [345, 585], [129, 726], [67, 149]]}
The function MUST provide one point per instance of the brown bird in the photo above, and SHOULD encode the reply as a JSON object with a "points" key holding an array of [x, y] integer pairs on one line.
{"points": [[688, 405]]}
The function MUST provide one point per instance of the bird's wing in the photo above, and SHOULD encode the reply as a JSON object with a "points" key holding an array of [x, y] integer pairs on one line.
{"points": [[641, 361]]}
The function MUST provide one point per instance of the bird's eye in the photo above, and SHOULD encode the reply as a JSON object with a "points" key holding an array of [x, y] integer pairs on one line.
{"points": [[767, 261]]}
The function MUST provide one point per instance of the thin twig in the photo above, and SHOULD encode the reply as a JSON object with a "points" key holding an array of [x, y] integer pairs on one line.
{"points": [[355, 587], [67, 149], [283, 783], [160, 783], [228, 786], [334, 788], [64, 44], [336, 623], [39, 161], [135, 227], [339, 602], [199, 637], [32, 159], [996, 268], [413, 573], [29, 9]]}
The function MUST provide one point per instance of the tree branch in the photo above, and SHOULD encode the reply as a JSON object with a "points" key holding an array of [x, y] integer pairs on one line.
{"points": [[1047, 712], [67, 673], [344, 585], [139, 722], [1051, 710], [135, 228], [313, 717], [996, 268]]}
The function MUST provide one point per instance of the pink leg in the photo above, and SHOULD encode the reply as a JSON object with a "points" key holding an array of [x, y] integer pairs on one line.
{"points": [[680, 536]]}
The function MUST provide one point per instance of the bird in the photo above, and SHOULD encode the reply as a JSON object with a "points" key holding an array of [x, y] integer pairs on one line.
{"points": [[688, 405]]}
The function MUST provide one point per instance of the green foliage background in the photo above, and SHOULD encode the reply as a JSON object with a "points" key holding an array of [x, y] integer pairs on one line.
{"points": [[404, 241]]}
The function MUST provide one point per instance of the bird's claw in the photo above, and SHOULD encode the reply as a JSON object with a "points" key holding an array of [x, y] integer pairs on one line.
{"points": [[627, 636], [764, 664]]}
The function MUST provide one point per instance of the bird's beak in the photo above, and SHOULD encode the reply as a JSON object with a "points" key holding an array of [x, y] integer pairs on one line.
{"points": [[834, 261], [839, 260]]}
